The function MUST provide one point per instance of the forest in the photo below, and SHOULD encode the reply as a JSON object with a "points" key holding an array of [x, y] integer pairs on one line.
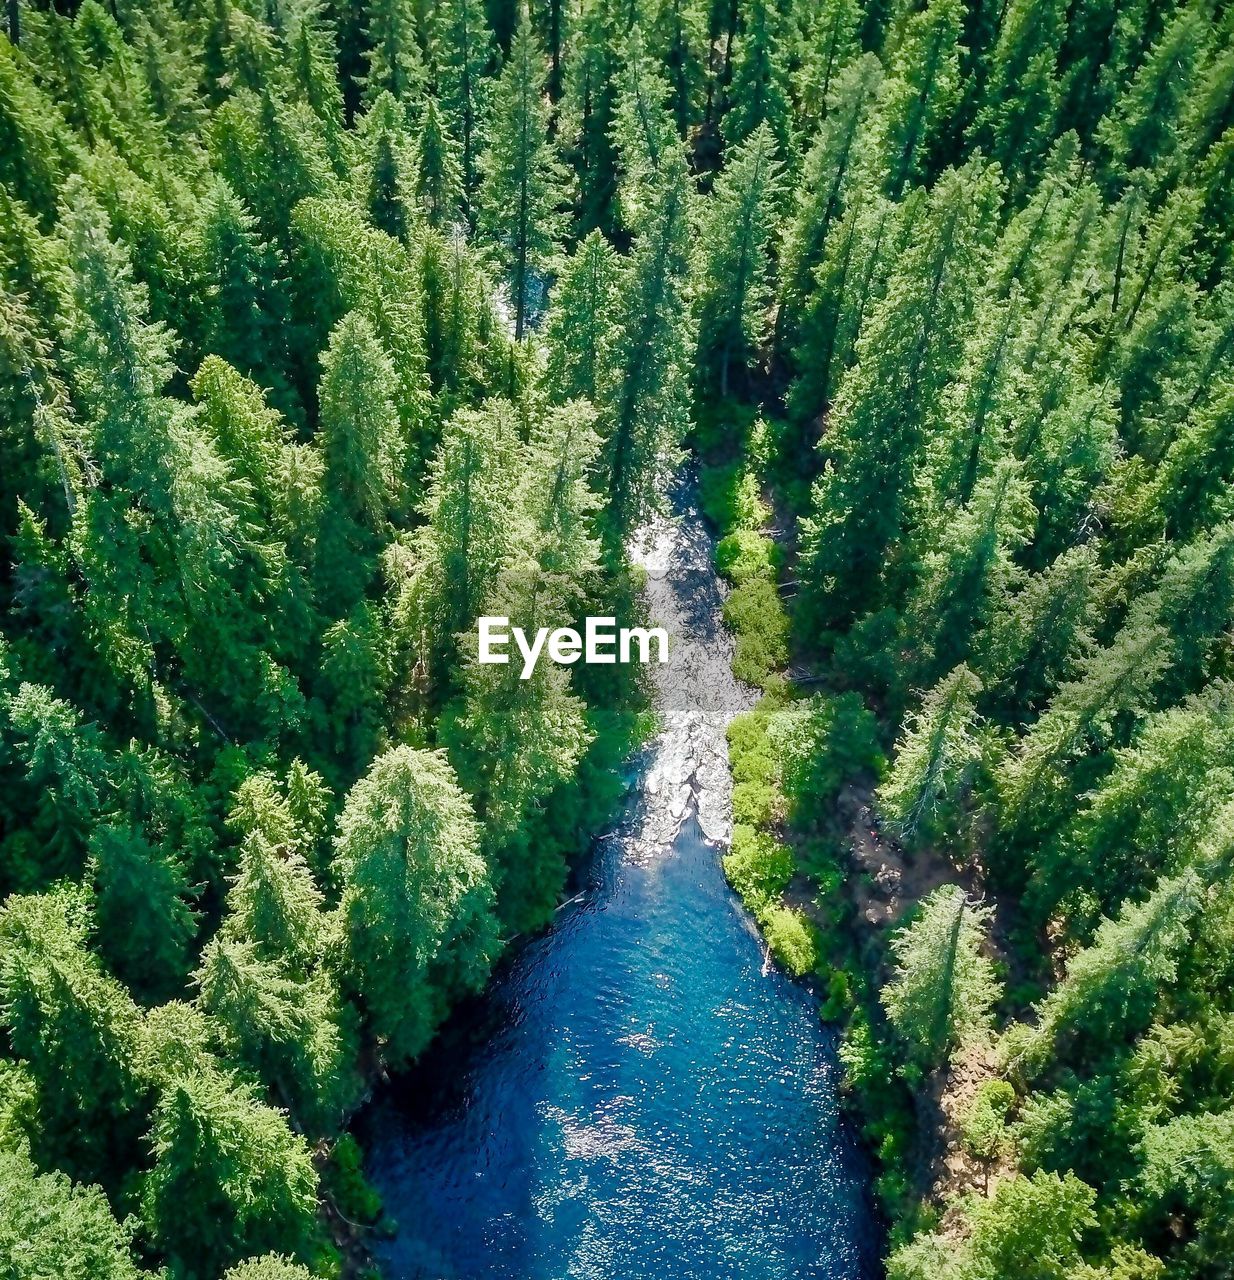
{"points": [[328, 326]]}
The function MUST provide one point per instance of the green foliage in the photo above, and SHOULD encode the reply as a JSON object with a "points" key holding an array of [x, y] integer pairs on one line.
{"points": [[407, 853], [53, 1228], [943, 988], [756, 614], [792, 939]]}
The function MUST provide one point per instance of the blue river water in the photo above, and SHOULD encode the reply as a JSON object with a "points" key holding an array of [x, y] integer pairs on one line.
{"points": [[640, 1094]]}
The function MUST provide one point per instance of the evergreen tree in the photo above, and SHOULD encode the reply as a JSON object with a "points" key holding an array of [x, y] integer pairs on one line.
{"points": [[943, 988], [759, 90], [830, 43], [522, 191], [229, 1176], [647, 411], [860, 499], [53, 1228], [588, 109], [935, 755], [413, 881], [827, 174], [1022, 89], [395, 64], [462, 54], [579, 330], [78, 1032], [920, 91], [144, 923], [642, 132], [735, 290], [437, 170]]}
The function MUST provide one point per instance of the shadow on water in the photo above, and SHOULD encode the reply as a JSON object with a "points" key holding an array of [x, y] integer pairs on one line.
{"points": [[634, 1096]]}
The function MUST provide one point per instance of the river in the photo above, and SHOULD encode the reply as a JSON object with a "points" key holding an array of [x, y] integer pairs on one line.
{"points": [[639, 1094]]}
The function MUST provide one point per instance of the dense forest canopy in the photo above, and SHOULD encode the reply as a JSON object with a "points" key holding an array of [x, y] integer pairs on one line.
{"points": [[328, 326]]}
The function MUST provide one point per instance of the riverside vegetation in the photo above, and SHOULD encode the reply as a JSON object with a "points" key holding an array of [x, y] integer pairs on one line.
{"points": [[327, 328]]}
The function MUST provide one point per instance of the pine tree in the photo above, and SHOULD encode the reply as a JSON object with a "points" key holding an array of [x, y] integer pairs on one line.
{"points": [[759, 90], [471, 482], [934, 757], [647, 411], [968, 571], [943, 988], [78, 1032], [1037, 635], [413, 880], [642, 132], [579, 330], [395, 64], [735, 289], [522, 190], [827, 174], [246, 302], [830, 43], [362, 449], [462, 54], [679, 32], [437, 170], [388, 175], [229, 1177], [144, 923], [920, 91], [52, 1227], [1022, 90], [860, 500], [1143, 126], [1112, 986], [587, 112], [290, 1032]]}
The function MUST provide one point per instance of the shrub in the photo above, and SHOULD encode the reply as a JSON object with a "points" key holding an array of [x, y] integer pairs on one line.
{"points": [[793, 940], [759, 867], [730, 499], [754, 611], [744, 555]]}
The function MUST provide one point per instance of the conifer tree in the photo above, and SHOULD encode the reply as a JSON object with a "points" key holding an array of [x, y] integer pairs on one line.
{"points": [[934, 757], [522, 190], [579, 330], [413, 880], [1017, 118], [920, 91], [642, 132], [52, 1227], [647, 411], [144, 923], [229, 1176], [830, 43], [587, 112], [388, 179], [462, 54], [758, 92], [860, 499], [362, 449], [943, 987], [471, 481], [827, 173], [246, 302], [395, 64], [78, 1032], [437, 169], [735, 289]]}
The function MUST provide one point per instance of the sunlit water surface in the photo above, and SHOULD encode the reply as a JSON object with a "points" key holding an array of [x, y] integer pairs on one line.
{"points": [[639, 1094]]}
